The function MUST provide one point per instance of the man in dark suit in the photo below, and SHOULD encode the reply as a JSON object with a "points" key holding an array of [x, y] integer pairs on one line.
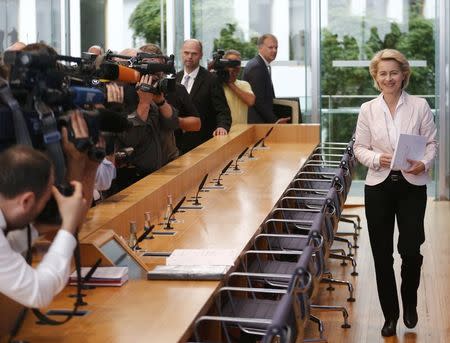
{"points": [[257, 72], [207, 95]]}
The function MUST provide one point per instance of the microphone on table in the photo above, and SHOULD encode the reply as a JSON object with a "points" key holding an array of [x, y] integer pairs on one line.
{"points": [[236, 167], [86, 279], [267, 135], [253, 147], [202, 183], [89, 275], [218, 183], [142, 237], [175, 210]]}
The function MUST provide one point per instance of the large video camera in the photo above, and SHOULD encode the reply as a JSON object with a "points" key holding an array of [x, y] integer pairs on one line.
{"points": [[220, 65], [130, 70], [45, 89]]}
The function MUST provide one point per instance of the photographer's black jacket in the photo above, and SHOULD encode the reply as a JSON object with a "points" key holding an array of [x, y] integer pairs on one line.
{"points": [[145, 139], [209, 99]]}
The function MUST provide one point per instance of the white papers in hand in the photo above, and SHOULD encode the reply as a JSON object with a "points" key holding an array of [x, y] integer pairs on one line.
{"points": [[410, 147]]}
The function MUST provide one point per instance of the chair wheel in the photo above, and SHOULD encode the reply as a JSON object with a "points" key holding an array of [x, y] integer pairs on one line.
{"points": [[330, 288], [351, 299], [354, 274], [346, 326]]}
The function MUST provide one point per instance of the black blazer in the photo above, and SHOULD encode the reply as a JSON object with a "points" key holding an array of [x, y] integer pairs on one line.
{"points": [[209, 99], [256, 73]]}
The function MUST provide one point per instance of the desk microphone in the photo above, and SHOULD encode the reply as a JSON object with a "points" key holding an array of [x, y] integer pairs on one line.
{"points": [[218, 183], [253, 147], [89, 274], [200, 186], [175, 210], [143, 236], [267, 135], [236, 167]]}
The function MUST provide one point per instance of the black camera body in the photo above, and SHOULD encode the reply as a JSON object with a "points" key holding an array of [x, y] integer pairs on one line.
{"points": [[161, 86], [37, 78], [163, 70], [220, 65]]}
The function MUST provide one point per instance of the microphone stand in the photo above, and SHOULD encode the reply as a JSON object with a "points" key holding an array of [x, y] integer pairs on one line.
{"points": [[202, 183], [218, 183], [142, 237], [175, 210], [89, 275], [236, 167], [267, 135], [253, 147]]}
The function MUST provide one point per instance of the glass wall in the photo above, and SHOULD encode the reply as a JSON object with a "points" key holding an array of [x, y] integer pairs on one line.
{"points": [[48, 22], [9, 10], [351, 33], [92, 19], [237, 24]]}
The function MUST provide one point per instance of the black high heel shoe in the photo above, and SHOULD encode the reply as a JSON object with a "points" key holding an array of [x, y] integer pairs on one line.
{"points": [[389, 328]]}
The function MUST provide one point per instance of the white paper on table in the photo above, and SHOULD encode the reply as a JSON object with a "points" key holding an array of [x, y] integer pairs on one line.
{"points": [[408, 147], [202, 257]]}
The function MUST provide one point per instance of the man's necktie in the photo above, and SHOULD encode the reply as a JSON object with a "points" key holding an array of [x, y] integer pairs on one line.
{"points": [[185, 82]]}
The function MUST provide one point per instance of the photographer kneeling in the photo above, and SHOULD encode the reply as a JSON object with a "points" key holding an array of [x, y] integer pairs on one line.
{"points": [[26, 185]]}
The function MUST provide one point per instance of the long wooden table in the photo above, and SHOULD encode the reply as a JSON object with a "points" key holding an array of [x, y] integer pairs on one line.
{"points": [[164, 311]]}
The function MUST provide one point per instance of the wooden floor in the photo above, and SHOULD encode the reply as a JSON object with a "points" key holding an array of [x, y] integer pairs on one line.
{"points": [[365, 314]]}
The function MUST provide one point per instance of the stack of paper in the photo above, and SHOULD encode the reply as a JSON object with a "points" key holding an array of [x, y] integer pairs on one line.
{"points": [[195, 264], [410, 147], [201, 257], [103, 276]]}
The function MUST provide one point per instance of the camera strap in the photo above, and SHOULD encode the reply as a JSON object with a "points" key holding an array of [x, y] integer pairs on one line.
{"points": [[44, 319], [20, 127], [52, 139]]}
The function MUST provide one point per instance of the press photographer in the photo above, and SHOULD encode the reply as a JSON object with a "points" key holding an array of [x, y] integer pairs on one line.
{"points": [[188, 117], [27, 177], [153, 114], [45, 91], [239, 93], [221, 65]]}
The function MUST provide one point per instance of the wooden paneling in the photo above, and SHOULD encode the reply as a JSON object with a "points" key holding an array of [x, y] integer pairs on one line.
{"points": [[184, 174]]}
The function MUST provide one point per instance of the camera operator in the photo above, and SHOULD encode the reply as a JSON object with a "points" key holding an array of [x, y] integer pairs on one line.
{"points": [[152, 115], [239, 93], [22, 198], [188, 117]]}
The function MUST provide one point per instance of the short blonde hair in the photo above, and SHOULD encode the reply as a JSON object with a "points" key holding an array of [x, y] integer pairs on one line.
{"points": [[393, 55]]}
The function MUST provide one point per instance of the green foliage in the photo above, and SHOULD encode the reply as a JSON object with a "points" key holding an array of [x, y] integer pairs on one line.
{"points": [[228, 40], [146, 21]]}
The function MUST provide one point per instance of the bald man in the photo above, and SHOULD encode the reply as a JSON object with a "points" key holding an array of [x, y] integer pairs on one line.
{"points": [[17, 46], [206, 93], [96, 50]]}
